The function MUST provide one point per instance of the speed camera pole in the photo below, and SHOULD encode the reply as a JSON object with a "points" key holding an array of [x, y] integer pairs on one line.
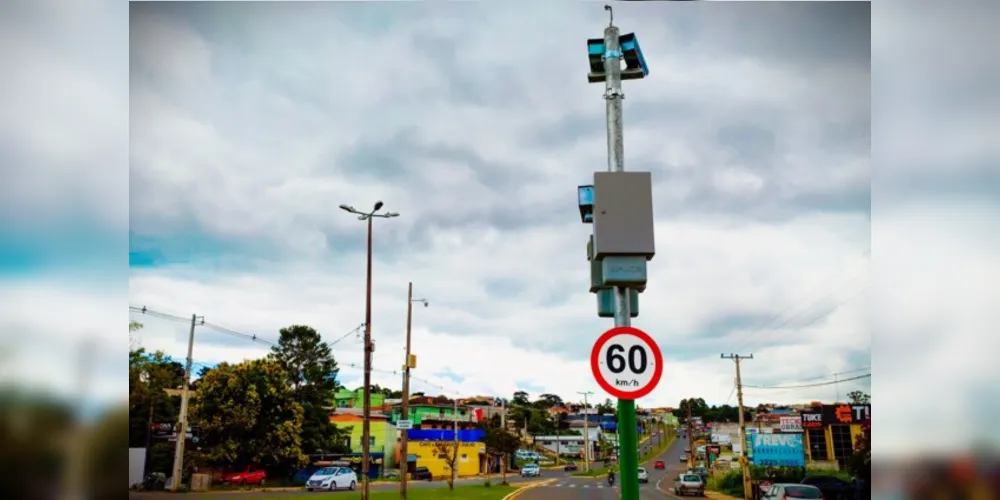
{"points": [[627, 439]]}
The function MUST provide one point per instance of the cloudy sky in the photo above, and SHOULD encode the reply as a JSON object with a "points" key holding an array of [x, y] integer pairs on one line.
{"points": [[249, 124]]}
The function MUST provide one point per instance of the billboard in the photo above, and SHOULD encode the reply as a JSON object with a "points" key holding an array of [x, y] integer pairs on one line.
{"points": [[846, 414], [812, 420], [790, 424], [778, 450]]}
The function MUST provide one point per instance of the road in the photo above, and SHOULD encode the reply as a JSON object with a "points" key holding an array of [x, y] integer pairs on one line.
{"points": [[512, 478], [580, 488], [564, 486]]}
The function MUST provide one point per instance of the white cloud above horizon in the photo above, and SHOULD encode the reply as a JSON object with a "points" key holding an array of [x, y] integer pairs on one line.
{"points": [[246, 135]]}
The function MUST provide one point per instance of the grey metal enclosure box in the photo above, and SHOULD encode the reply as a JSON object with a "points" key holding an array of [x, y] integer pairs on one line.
{"points": [[623, 214]]}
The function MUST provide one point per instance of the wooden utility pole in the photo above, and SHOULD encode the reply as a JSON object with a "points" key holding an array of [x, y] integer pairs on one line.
{"points": [[690, 435], [744, 463], [405, 410]]}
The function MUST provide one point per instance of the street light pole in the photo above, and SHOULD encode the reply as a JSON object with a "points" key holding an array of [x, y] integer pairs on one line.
{"points": [[586, 431], [368, 348]]}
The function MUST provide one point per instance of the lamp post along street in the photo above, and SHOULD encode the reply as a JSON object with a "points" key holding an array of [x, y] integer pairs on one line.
{"points": [[586, 432], [368, 346]]}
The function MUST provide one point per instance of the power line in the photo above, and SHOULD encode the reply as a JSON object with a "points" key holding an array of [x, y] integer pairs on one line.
{"points": [[794, 307], [819, 384]]}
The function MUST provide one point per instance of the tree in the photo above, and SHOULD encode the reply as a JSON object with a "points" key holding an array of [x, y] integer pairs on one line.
{"points": [[546, 401], [606, 408], [860, 463], [311, 372], [448, 452], [133, 340], [501, 444], [858, 398], [520, 398], [247, 415], [149, 375]]}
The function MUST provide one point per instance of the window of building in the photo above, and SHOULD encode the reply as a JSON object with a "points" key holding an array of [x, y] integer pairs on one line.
{"points": [[371, 440], [817, 444], [842, 449]]}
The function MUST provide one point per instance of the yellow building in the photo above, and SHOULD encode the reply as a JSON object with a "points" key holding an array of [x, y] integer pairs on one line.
{"points": [[382, 434], [468, 463]]}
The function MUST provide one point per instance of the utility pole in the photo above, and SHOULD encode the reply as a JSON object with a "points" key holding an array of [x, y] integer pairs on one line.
{"points": [[454, 419], [369, 347], [405, 414], [744, 463], [175, 485], [690, 436], [586, 430]]}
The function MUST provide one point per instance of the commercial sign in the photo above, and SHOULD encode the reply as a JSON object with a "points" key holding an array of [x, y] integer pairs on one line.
{"points": [[404, 424], [812, 420], [790, 424], [846, 414], [778, 450]]}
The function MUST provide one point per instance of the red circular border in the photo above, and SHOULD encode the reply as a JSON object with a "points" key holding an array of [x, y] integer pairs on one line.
{"points": [[595, 362]]}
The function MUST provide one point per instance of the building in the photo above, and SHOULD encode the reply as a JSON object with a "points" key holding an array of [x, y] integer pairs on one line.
{"points": [[382, 437], [571, 445], [470, 462], [433, 413], [830, 432], [356, 399]]}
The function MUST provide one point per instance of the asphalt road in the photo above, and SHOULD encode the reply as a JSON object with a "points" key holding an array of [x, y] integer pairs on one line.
{"points": [[579, 488], [512, 478]]}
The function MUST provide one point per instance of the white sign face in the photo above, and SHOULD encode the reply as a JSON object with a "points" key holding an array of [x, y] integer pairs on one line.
{"points": [[791, 424], [404, 424], [627, 363]]}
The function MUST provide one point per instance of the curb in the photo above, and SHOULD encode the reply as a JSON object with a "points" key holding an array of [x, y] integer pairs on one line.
{"points": [[527, 486]]}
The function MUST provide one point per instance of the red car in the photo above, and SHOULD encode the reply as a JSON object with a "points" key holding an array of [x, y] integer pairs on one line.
{"points": [[252, 475], [659, 465]]}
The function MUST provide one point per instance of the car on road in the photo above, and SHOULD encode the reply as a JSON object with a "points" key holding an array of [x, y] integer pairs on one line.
{"points": [[833, 488], [785, 491], [332, 478], [643, 475], [251, 475], [684, 457], [689, 484], [570, 466], [531, 470], [421, 474], [659, 465]]}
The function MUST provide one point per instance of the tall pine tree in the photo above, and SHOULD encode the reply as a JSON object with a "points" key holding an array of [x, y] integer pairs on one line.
{"points": [[312, 375]]}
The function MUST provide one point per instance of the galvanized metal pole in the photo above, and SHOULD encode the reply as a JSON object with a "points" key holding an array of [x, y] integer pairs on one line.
{"points": [[367, 389], [613, 96]]}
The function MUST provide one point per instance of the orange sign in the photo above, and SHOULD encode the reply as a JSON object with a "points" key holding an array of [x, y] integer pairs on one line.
{"points": [[844, 414]]}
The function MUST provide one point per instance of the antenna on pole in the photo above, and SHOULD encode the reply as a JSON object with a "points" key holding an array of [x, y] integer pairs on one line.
{"points": [[611, 14]]}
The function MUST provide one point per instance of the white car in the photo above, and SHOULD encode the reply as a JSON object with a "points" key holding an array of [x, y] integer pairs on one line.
{"points": [[643, 475], [332, 478], [531, 470]]}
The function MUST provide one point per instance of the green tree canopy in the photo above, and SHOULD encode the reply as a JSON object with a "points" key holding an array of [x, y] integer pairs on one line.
{"points": [[149, 374], [311, 372], [247, 414]]}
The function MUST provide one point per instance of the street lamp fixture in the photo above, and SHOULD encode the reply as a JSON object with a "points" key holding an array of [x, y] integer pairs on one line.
{"points": [[369, 346]]}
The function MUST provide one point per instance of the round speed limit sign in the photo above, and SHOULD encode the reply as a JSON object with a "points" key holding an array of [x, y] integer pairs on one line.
{"points": [[626, 362]]}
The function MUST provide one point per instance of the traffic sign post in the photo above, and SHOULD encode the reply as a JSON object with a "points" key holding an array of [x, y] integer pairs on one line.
{"points": [[628, 364]]}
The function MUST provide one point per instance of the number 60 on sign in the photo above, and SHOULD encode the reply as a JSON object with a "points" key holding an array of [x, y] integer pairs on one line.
{"points": [[626, 362]]}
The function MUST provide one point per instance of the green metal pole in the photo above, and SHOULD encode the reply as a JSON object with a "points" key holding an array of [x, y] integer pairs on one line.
{"points": [[628, 443]]}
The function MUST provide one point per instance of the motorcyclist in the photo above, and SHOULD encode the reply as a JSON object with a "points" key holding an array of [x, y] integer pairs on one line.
{"points": [[611, 478]]}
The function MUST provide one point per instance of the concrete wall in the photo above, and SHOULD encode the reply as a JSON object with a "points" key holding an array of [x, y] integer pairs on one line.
{"points": [[136, 463]]}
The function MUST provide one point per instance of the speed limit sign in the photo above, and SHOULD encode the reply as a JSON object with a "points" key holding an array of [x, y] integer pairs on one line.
{"points": [[626, 362]]}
